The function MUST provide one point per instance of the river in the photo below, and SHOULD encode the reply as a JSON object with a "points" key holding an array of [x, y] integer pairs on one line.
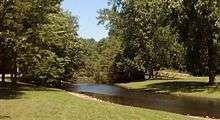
{"points": [[185, 105]]}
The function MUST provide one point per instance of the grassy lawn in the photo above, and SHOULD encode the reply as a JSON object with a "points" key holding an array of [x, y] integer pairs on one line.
{"points": [[192, 86], [34, 103]]}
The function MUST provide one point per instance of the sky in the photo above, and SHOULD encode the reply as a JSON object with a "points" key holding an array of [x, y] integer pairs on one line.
{"points": [[86, 12]]}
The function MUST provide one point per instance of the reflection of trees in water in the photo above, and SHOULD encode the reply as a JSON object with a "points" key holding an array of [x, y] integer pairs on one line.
{"points": [[164, 102]]}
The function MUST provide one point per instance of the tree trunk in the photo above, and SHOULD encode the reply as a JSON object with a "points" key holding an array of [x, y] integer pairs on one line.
{"points": [[14, 78], [211, 77], [151, 74], [3, 79], [211, 62]]}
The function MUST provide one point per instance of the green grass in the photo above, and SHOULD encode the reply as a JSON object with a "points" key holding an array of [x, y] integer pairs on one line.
{"points": [[191, 86], [35, 103]]}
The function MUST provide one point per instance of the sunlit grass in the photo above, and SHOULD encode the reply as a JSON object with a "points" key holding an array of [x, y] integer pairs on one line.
{"points": [[193, 86], [34, 103]]}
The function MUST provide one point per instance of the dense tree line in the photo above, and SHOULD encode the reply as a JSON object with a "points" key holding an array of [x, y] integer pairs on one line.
{"points": [[40, 39], [155, 34], [98, 59]]}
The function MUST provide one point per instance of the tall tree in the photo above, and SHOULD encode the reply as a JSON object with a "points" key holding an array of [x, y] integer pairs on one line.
{"points": [[197, 25], [38, 38], [148, 41], [56, 56]]}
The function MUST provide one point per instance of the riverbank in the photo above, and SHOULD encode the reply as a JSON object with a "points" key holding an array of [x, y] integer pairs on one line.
{"points": [[29, 102], [189, 86], [94, 99]]}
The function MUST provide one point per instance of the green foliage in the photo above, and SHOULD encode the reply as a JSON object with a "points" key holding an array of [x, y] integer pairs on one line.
{"points": [[90, 58], [98, 58], [109, 48], [40, 39], [57, 53], [163, 34], [148, 42], [197, 23]]}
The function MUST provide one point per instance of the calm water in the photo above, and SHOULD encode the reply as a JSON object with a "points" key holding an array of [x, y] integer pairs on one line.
{"points": [[177, 104]]}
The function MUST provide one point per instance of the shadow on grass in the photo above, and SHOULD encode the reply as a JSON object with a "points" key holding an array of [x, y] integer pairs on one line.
{"points": [[4, 117], [181, 86], [16, 91]]}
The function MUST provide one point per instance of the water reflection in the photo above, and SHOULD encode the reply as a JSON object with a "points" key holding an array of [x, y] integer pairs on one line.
{"points": [[170, 103]]}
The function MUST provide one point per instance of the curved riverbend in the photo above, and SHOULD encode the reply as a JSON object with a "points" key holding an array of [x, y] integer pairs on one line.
{"points": [[184, 105]]}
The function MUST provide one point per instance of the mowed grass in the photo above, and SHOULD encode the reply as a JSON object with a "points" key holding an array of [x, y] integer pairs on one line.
{"points": [[35, 103], [191, 86]]}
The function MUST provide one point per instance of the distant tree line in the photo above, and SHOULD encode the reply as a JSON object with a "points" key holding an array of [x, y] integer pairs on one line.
{"points": [[98, 59]]}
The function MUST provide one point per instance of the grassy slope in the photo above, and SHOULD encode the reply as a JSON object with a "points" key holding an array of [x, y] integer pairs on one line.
{"points": [[193, 86], [51, 104]]}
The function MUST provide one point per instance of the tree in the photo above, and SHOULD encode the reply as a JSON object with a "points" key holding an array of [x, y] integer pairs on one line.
{"points": [[197, 23], [10, 31], [57, 54], [98, 59], [90, 59], [40, 39], [148, 42], [109, 48]]}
